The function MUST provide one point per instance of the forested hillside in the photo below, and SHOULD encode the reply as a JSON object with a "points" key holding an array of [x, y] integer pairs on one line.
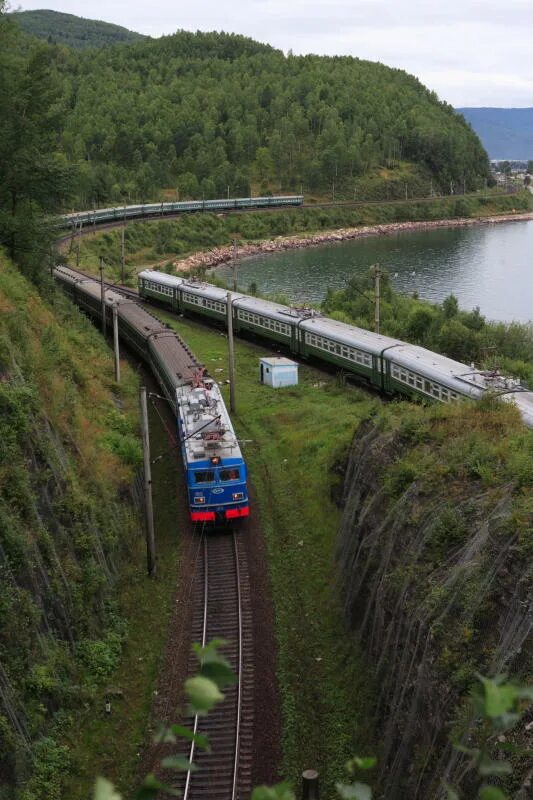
{"points": [[35, 177], [207, 114], [72, 31]]}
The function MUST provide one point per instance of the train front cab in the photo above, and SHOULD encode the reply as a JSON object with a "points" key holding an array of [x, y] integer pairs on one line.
{"points": [[217, 490]]}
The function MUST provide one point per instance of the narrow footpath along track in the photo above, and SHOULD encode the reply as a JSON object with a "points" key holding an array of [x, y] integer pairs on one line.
{"points": [[222, 609]]}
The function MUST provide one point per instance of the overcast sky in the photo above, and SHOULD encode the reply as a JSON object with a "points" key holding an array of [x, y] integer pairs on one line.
{"points": [[470, 52]]}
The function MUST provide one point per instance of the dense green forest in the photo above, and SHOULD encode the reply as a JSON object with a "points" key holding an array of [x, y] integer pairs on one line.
{"points": [[35, 176], [67, 29], [206, 114], [203, 115]]}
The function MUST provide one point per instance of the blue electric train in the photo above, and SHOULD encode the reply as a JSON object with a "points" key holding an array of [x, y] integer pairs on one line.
{"points": [[214, 466]]}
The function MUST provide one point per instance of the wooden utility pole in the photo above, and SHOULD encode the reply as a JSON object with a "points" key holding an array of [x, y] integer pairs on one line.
{"points": [[234, 265], [78, 244], [122, 252], [115, 342], [102, 295], [376, 272], [231, 355], [150, 537]]}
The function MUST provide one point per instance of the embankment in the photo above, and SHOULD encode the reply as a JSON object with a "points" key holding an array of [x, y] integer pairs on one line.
{"points": [[68, 454], [434, 553], [221, 255]]}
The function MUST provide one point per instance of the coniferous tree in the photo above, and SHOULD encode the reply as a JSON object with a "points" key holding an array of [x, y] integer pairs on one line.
{"points": [[34, 175]]}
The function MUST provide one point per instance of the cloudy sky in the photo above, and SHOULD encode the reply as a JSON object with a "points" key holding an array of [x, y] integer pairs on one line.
{"points": [[470, 52]]}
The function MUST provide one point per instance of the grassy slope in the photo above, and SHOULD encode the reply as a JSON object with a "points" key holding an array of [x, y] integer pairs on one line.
{"points": [[68, 450], [68, 454], [110, 745]]}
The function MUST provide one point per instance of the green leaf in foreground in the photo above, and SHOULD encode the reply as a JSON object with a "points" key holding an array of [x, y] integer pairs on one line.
{"points": [[104, 790], [354, 791], [358, 762], [152, 786], [203, 694], [499, 698], [209, 653], [491, 793], [489, 767], [451, 794], [170, 735], [179, 763], [198, 738], [281, 791], [219, 673]]}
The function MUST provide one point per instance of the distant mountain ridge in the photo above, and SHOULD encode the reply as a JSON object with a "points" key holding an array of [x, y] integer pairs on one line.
{"points": [[506, 133], [72, 31]]}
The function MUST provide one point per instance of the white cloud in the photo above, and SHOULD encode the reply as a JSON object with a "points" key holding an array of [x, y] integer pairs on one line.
{"points": [[471, 52]]}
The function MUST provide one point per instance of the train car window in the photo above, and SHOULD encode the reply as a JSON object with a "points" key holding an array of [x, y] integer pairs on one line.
{"points": [[207, 476], [229, 475]]}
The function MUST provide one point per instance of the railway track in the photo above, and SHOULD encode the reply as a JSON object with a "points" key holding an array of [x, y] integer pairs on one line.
{"points": [[222, 609]]}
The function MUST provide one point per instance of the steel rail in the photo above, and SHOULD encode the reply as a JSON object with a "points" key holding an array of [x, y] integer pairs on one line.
{"points": [[204, 640], [239, 678], [225, 757]]}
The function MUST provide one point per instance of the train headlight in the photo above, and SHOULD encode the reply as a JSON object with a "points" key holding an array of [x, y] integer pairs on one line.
{"points": [[199, 499], [238, 495]]}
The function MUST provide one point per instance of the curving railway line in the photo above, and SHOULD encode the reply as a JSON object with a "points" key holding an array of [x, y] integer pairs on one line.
{"points": [[220, 601], [222, 609]]}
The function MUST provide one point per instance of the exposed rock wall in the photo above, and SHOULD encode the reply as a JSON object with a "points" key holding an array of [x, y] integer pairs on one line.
{"points": [[437, 582]]}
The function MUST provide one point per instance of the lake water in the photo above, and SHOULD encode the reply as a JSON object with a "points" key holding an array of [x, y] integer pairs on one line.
{"points": [[490, 266]]}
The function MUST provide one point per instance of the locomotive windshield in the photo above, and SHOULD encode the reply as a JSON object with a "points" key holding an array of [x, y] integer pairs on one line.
{"points": [[210, 475], [229, 475], [207, 476]]}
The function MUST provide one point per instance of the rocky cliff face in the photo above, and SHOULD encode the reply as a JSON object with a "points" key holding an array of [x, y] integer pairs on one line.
{"points": [[435, 557]]}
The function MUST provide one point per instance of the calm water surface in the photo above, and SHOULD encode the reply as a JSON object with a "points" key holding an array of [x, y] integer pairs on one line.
{"points": [[486, 266]]}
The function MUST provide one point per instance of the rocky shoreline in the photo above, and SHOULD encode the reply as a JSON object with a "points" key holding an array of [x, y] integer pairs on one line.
{"points": [[220, 255]]}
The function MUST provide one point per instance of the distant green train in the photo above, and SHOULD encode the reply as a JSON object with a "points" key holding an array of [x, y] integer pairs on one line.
{"points": [[388, 364], [118, 213]]}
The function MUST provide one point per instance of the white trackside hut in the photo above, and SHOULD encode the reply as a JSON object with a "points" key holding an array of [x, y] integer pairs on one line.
{"points": [[277, 372]]}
